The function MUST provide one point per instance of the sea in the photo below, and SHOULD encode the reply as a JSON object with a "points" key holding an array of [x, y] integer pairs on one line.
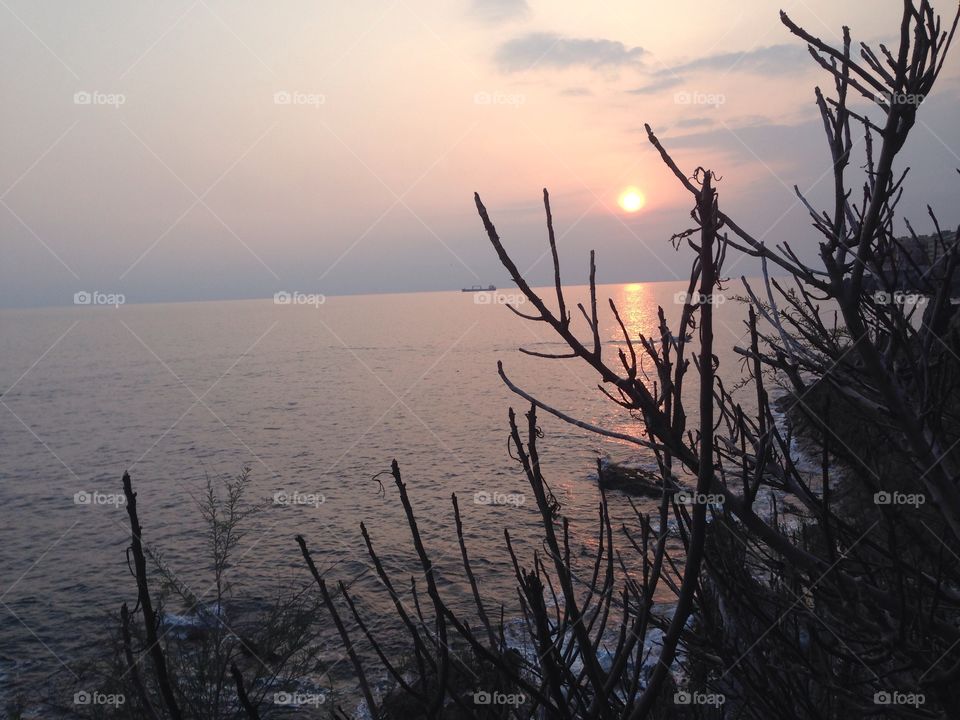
{"points": [[314, 398]]}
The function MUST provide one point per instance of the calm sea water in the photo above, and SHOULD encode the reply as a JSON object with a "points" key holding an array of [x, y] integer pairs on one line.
{"points": [[313, 399]]}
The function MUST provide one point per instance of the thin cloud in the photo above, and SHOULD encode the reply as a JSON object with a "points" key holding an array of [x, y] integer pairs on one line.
{"points": [[755, 137], [694, 122], [496, 11], [548, 50], [664, 83], [576, 92], [774, 60]]}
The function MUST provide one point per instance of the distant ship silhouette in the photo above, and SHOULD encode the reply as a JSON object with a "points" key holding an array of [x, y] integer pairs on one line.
{"points": [[477, 288]]}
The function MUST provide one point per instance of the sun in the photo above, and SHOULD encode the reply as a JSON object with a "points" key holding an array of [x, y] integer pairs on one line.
{"points": [[631, 200]]}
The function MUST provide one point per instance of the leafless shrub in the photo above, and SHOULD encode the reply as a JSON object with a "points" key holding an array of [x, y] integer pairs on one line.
{"points": [[225, 660], [828, 618]]}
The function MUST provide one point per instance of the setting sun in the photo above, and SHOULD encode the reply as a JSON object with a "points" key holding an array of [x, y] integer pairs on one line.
{"points": [[631, 200]]}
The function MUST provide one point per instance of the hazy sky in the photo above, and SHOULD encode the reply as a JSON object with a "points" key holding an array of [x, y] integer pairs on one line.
{"points": [[197, 149]]}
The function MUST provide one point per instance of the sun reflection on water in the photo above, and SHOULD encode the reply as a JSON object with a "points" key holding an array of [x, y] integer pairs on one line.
{"points": [[637, 306]]}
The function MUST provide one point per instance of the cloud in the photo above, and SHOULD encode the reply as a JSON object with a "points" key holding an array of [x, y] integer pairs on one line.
{"points": [[754, 137], [694, 122], [663, 83], [576, 92], [770, 61], [495, 11], [558, 52]]}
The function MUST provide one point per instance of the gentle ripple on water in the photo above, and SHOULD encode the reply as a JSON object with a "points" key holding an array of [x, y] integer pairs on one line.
{"points": [[314, 399]]}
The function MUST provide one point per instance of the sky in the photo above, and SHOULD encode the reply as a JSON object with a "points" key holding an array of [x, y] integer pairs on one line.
{"points": [[218, 149]]}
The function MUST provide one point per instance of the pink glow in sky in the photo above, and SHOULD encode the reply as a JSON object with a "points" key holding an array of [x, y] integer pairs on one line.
{"points": [[219, 148]]}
